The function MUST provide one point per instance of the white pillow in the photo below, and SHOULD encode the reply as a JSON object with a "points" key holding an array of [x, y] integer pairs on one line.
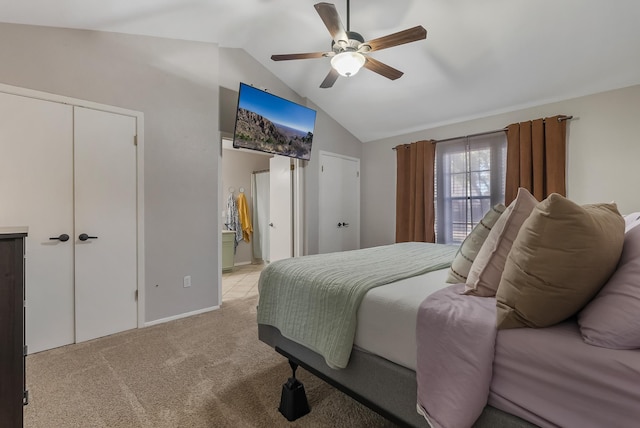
{"points": [[631, 221], [486, 270]]}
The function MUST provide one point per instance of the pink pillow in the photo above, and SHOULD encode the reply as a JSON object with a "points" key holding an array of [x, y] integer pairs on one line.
{"points": [[612, 319], [486, 270]]}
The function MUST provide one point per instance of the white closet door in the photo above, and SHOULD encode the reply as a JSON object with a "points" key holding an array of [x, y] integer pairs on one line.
{"points": [[36, 190], [105, 208], [339, 203]]}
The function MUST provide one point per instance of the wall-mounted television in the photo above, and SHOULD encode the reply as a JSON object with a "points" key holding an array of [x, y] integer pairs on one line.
{"points": [[272, 124]]}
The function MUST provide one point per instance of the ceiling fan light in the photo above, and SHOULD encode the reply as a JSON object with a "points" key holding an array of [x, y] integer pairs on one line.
{"points": [[348, 63]]}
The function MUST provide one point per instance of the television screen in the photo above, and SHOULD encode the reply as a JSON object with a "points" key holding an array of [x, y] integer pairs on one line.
{"points": [[271, 124]]}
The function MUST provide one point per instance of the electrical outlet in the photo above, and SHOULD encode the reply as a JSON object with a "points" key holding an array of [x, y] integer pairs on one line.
{"points": [[186, 282]]}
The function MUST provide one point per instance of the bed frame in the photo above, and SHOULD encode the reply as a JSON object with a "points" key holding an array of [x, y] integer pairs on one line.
{"points": [[385, 387]]}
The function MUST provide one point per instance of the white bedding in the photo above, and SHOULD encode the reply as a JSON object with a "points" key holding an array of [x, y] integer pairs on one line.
{"points": [[385, 313]]}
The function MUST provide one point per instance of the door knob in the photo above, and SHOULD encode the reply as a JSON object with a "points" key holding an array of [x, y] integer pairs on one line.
{"points": [[345, 224], [339, 224], [64, 238], [84, 237], [271, 224]]}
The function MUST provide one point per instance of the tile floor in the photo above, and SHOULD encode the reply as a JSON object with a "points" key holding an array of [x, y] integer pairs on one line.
{"points": [[241, 282]]}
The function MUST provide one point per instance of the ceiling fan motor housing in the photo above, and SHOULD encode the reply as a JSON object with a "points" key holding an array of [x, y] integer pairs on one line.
{"points": [[353, 44]]}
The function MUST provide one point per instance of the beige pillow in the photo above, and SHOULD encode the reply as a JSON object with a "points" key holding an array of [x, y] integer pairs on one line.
{"points": [[486, 270], [562, 256], [471, 245]]}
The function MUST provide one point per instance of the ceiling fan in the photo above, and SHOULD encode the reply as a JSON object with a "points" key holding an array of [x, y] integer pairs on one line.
{"points": [[349, 49]]}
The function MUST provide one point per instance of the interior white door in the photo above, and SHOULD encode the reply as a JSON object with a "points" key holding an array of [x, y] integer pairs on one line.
{"points": [[280, 209], [329, 203], [350, 204], [260, 193], [339, 203], [36, 182], [105, 212]]}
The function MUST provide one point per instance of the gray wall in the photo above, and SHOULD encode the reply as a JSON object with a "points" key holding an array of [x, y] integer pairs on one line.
{"points": [[238, 66], [603, 150], [237, 167], [175, 84], [186, 88]]}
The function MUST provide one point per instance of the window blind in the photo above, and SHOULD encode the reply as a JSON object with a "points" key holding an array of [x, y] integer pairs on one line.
{"points": [[470, 179]]}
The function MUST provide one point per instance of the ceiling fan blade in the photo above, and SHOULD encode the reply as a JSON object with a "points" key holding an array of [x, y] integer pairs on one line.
{"points": [[382, 69], [331, 19], [330, 79], [395, 39], [285, 57]]}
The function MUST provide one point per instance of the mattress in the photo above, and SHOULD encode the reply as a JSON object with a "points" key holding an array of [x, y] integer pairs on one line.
{"points": [[386, 311], [571, 383], [548, 376]]}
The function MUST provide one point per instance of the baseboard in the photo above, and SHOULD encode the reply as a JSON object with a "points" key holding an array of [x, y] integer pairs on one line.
{"points": [[242, 263], [179, 316]]}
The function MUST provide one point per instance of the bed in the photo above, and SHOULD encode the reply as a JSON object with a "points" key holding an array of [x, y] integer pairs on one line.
{"points": [[568, 373], [391, 391]]}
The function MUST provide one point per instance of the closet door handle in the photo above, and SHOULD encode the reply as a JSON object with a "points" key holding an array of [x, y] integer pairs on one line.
{"points": [[271, 224], [84, 237], [64, 238]]}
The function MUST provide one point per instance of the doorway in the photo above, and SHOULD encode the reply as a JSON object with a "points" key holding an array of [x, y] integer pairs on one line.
{"points": [[238, 166]]}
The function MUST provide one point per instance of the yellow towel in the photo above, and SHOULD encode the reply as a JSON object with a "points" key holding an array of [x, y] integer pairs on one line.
{"points": [[245, 220]]}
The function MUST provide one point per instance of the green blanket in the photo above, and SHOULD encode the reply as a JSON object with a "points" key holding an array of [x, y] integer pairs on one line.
{"points": [[313, 300]]}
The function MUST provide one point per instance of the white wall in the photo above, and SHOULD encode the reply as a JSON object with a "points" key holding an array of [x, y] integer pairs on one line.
{"points": [[603, 155], [175, 84], [237, 66]]}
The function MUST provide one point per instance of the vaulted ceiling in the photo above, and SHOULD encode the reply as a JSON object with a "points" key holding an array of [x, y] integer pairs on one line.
{"points": [[479, 58]]}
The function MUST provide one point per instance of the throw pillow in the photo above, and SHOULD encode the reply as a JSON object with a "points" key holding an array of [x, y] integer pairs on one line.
{"points": [[562, 256], [612, 318], [487, 268], [631, 221], [471, 245]]}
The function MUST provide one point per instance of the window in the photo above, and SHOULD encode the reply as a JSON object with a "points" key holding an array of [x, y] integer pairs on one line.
{"points": [[470, 179]]}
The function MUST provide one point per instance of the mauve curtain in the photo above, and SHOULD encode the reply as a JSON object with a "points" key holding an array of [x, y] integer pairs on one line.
{"points": [[536, 158], [414, 192]]}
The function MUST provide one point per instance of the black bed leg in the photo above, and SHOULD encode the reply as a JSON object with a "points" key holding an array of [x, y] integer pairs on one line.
{"points": [[293, 401]]}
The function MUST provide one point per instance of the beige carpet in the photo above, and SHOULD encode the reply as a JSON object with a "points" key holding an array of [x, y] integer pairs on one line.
{"points": [[208, 370]]}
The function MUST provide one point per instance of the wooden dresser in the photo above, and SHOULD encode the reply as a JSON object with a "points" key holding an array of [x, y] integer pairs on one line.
{"points": [[12, 339]]}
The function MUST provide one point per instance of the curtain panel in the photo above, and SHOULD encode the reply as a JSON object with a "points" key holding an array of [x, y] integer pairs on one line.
{"points": [[414, 192], [536, 158]]}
